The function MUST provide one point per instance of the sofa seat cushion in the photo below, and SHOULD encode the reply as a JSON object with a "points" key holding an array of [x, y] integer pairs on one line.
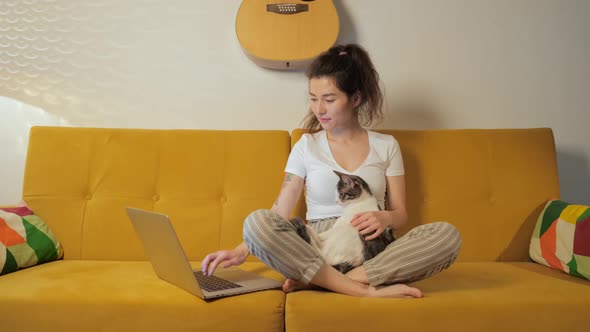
{"points": [[467, 297], [75, 295]]}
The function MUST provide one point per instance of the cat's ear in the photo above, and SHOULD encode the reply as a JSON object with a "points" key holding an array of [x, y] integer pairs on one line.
{"points": [[345, 178], [358, 180], [363, 184]]}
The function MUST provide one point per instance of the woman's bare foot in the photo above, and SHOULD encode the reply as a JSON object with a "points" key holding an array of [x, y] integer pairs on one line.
{"points": [[392, 291], [397, 290], [291, 285]]}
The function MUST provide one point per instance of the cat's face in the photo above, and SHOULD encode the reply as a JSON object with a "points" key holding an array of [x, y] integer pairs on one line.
{"points": [[350, 187]]}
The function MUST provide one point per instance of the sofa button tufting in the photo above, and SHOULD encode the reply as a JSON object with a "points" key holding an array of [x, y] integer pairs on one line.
{"points": [[156, 197], [88, 197]]}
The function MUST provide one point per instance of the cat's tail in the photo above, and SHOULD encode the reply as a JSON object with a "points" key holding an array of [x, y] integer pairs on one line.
{"points": [[301, 229], [343, 267]]}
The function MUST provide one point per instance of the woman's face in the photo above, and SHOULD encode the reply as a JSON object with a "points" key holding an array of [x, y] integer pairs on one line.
{"points": [[330, 105]]}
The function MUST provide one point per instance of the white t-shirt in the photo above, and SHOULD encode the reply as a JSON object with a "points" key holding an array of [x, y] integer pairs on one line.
{"points": [[312, 160]]}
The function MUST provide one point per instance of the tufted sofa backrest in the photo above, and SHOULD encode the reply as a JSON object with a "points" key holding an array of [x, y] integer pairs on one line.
{"points": [[79, 180], [490, 183]]}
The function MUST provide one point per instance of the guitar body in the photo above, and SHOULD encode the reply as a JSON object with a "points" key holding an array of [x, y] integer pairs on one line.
{"points": [[286, 34]]}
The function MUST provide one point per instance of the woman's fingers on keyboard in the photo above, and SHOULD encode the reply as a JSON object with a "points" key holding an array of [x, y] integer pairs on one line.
{"points": [[210, 263], [205, 263], [222, 256]]}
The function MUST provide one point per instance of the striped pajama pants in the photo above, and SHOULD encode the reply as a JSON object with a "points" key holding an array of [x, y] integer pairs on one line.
{"points": [[420, 253]]}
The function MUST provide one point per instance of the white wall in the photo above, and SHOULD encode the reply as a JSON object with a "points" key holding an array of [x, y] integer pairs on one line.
{"points": [[178, 64]]}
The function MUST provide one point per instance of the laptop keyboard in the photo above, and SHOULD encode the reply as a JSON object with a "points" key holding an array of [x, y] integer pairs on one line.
{"points": [[213, 283]]}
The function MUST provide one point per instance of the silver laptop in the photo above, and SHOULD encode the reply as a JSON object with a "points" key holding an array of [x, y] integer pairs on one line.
{"points": [[170, 263]]}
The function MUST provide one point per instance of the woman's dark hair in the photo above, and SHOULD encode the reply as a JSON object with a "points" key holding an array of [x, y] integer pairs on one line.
{"points": [[353, 72]]}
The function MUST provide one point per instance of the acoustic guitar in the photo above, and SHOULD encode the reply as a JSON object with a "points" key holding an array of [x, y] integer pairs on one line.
{"points": [[286, 34]]}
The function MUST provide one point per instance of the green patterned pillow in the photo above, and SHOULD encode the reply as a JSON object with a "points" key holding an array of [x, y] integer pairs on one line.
{"points": [[25, 240], [561, 238]]}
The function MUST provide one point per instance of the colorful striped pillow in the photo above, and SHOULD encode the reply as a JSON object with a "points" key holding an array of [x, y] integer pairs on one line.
{"points": [[25, 240], [561, 238]]}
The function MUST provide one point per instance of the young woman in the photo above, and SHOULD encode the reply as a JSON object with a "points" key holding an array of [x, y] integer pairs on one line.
{"points": [[345, 96]]}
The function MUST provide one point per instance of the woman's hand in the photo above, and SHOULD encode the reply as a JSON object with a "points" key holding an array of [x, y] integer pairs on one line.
{"points": [[229, 258], [367, 222]]}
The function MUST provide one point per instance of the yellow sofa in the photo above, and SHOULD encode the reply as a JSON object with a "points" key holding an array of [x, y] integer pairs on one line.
{"points": [[491, 184]]}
